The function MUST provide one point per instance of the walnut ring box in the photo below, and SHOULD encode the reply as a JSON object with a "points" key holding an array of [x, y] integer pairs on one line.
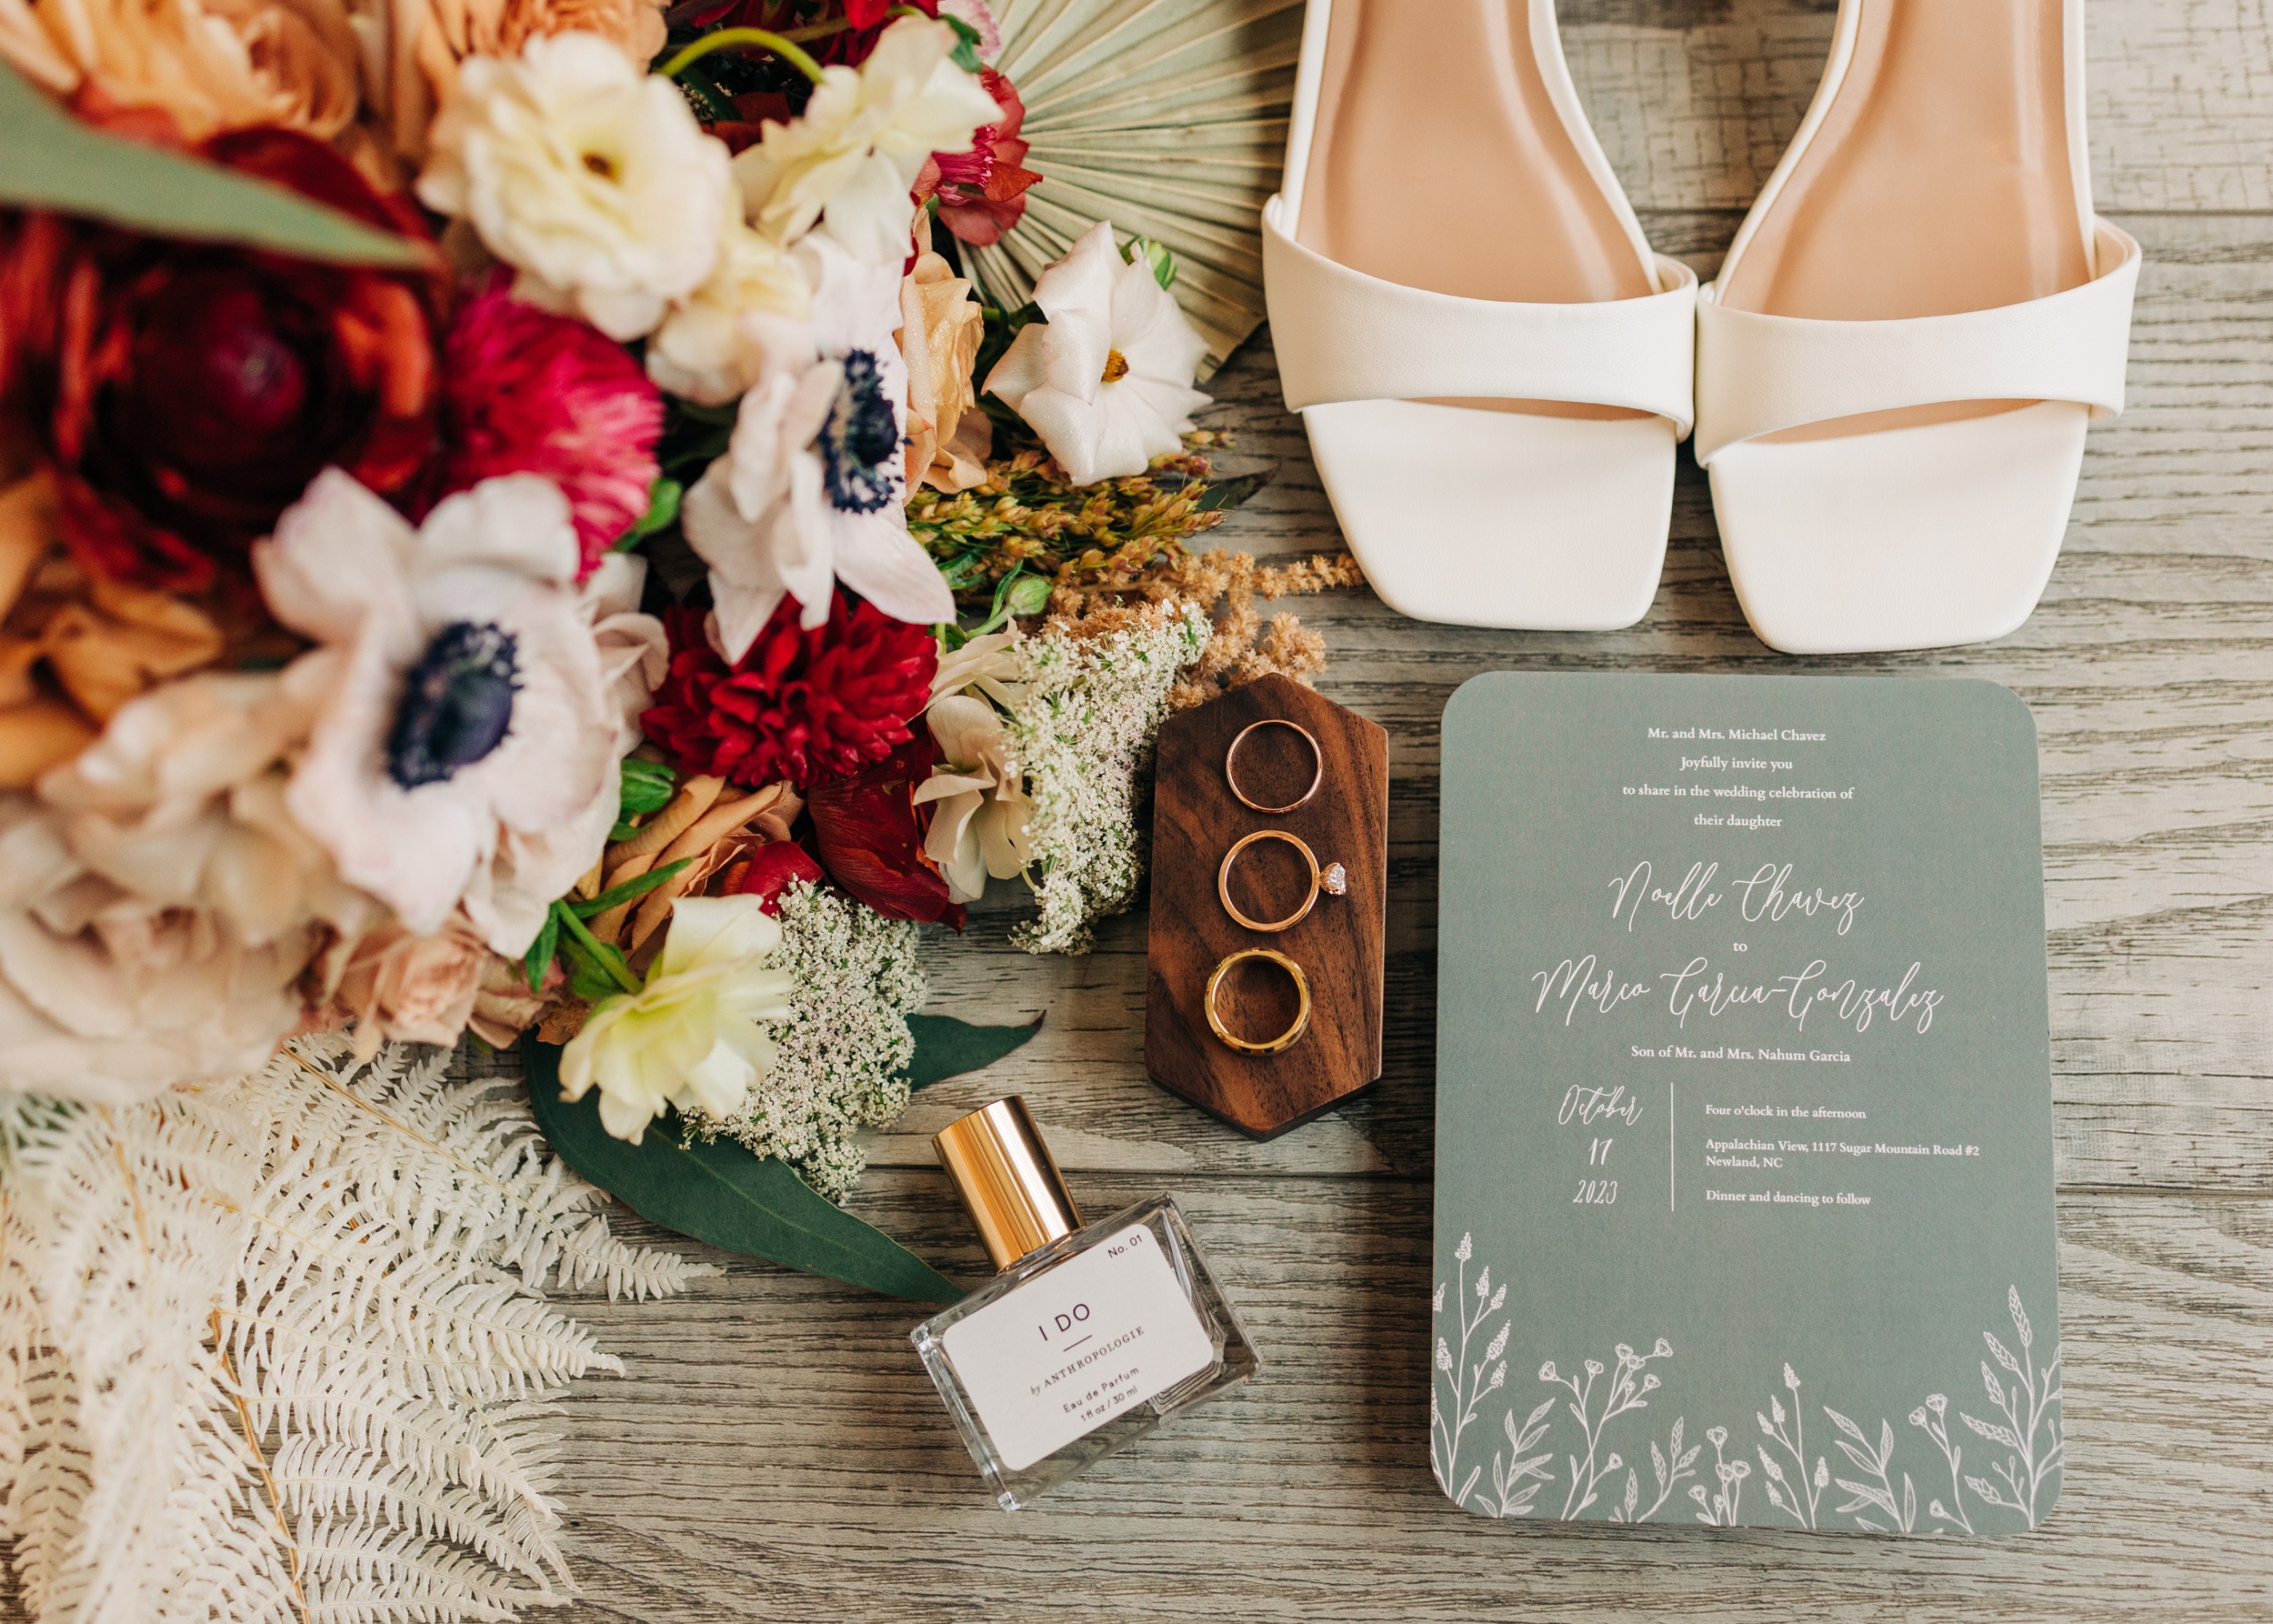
{"points": [[1320, 976]]}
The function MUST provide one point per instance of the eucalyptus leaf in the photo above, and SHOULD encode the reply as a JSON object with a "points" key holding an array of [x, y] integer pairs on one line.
{"points": [[720, 1194], [54, 162], [946, 1046]]}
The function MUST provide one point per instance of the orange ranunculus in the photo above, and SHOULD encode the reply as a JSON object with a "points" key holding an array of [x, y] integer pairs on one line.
{"points": [[209, 64], [426, 40]]}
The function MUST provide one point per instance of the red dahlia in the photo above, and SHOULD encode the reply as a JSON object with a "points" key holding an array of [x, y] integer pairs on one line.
{"points": [[804, 706]]}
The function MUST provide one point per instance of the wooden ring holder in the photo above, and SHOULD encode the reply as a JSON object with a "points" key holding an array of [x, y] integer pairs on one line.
{"points": [[1195, 819]]}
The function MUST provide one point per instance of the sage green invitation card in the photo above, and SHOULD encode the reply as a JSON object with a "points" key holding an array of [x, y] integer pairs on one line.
{"points": [[1744, 1125]]}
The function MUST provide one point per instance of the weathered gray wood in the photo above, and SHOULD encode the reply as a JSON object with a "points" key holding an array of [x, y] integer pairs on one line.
{"points": [[1695, 99], [776, 1452]]}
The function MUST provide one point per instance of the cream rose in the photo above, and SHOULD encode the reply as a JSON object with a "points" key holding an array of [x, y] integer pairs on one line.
{"points": [[403, 989], [587, 175], [159, 910]]}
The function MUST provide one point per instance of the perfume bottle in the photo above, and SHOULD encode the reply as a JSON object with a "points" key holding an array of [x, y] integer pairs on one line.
{"points": [[1089, 1337]]}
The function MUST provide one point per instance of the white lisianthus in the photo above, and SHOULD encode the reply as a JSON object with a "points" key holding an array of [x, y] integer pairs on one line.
{"points": [[587, 175], [811, 490], [695, 1036], [851, 160], [995, 665], [1107, 381], [746, 320]]}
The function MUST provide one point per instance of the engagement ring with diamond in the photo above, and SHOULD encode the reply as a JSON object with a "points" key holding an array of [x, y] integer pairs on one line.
{"points": [[1332, 879]]}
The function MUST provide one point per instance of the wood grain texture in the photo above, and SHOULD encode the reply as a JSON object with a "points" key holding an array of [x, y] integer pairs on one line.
{"points": [[775, 1451], [1197, 820]]}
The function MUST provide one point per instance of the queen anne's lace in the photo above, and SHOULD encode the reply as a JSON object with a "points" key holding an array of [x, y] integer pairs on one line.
{"points": [[1083, 734], [857, 979]]}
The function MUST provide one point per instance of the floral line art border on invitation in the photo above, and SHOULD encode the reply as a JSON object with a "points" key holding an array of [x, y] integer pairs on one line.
{"points": [[1557, 1459]]}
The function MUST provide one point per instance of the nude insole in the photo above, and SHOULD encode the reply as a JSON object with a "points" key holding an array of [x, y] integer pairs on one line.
{"points": [[1939, 181], [1438, 161]]}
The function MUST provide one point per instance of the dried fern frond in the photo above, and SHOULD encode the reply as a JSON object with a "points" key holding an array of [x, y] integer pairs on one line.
{"points": [[277, 1350]]}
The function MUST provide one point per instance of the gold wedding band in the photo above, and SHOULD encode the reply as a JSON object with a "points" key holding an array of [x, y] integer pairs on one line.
{"points": [[1286, 1039], [1318, 768], [1330, 879]]}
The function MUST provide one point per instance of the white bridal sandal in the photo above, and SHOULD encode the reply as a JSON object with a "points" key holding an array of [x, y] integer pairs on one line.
{"points": [[1493, 367], [1912, 329]]}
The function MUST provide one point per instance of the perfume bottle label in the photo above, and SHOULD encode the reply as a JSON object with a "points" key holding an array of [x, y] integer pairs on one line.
{"points": [[1075, 1346]]}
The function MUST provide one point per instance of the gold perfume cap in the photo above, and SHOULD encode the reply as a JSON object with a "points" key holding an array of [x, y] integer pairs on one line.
{"points": [[1008, 1182]]}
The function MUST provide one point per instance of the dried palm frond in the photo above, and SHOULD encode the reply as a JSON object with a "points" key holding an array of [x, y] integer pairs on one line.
{"points": [[1167, 117]]}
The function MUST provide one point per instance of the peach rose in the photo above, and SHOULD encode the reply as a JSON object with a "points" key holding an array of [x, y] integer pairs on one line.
{"points": [[948, 437], [159, 907], [211, 64], [426, 40], [403, 989]]}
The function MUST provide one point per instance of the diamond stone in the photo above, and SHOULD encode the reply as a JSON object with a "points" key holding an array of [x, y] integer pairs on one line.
{"points": [[1334, 878]]}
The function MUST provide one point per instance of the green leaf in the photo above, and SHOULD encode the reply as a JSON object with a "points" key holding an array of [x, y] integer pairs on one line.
{"points": [[1155, 255], [1029, 594], [712, 102], [54, 162], [946, 1046], [967, 40], [542, 949], [617, 896], [663, 512], [646, 787], [1222, 493], [721, 1194]]}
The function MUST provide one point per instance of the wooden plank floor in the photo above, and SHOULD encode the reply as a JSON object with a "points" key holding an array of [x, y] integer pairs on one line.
{"points": [[776, 1453]]}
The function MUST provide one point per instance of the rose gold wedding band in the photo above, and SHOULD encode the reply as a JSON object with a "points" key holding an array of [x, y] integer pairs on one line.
{"points": [[1331, 879], [1286, 1039], [1318, 768]]}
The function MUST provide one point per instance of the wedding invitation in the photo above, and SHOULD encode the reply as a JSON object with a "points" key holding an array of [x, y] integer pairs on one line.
{"points": [[1744, 1148]]}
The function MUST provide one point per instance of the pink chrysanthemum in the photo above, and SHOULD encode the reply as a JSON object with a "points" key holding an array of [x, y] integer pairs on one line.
{"points": [[528, 392]]}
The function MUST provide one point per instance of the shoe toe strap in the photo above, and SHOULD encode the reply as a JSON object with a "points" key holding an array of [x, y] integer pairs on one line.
{"points": [[1344, 336], [1757, 375]]}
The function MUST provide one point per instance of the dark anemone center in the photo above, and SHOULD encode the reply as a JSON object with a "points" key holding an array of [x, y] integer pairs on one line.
{"points": [[457, 703], [859, 445]]}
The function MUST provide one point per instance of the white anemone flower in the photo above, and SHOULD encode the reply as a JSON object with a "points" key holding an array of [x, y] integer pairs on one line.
{"points": [[1107, 381], [587, 174], [979, 826], [695, 1035], [464, 745], [850, 163], [811, 489]]}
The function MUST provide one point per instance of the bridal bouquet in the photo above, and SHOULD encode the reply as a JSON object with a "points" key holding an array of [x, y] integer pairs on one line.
{"points": [[336, 691], [513, 521]]}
